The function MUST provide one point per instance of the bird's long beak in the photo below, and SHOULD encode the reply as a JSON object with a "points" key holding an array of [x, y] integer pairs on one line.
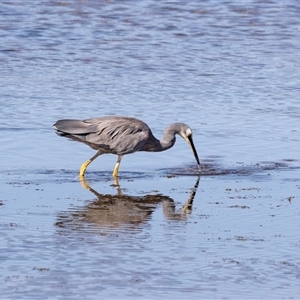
{"points": [[189, 140]]}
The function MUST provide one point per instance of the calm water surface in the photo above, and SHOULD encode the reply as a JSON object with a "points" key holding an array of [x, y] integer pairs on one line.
{"points": [[228, 69]]}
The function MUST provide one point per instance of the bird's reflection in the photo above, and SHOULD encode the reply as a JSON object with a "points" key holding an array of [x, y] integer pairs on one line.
{"points": [[115, 211]]}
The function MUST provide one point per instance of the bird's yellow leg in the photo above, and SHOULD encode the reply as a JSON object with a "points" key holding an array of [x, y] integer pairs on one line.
{"points": [[116, 169], [84, 167], [85, 164]]}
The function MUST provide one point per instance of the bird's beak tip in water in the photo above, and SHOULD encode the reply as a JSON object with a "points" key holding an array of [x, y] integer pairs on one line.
{"points": [[199, 168]]}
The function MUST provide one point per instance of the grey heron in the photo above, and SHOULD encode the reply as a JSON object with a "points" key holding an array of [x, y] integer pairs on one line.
{"points": [[120, 136]]}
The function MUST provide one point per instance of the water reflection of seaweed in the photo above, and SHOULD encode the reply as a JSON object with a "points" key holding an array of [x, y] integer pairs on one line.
{"points": [[115, 211]]}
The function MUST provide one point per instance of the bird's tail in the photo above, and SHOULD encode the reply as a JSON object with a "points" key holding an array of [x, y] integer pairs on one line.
{"points": [[72, 127]]}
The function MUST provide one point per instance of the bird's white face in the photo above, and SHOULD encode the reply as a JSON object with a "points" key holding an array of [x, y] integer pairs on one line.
{"points": [[186, 134]]}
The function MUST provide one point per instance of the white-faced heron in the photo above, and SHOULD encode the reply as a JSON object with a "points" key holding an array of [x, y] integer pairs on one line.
{"points": [[120, 136]]}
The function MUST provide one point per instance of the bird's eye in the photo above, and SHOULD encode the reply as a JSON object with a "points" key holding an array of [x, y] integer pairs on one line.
{"points": [[188, 134]]}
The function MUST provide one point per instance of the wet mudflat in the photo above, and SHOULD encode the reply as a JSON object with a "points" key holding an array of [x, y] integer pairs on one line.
{"points": [[154, 235], [230, 70]]}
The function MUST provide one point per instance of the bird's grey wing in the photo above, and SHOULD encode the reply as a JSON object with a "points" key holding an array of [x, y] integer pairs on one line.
{"points": [[121, 136]]}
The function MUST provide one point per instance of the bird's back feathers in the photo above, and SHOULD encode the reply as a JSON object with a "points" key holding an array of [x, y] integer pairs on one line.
{"points": [[118, 135]]}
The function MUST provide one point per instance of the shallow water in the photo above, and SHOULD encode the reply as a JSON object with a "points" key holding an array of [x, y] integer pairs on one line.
{"points": [[230, 70]]}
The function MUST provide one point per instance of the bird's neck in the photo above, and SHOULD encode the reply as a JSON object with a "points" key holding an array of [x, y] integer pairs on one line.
{"points": [[168, 139]]}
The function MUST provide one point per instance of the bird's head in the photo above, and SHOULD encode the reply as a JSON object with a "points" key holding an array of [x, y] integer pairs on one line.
{"points": [[186, 133]]}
